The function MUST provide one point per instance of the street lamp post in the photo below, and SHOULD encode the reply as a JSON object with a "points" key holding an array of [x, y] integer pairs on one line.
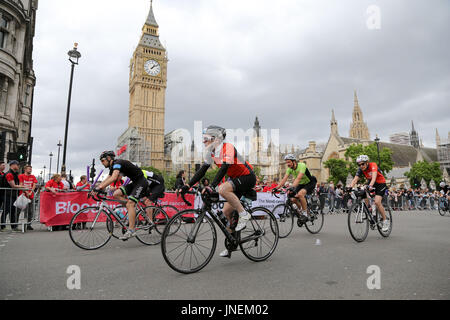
{"points": [[44, 172], [377, 140], [74, 55], [50, 169], [57, 163]]}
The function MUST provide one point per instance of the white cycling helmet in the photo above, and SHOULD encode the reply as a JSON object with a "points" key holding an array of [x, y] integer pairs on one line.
{"points": [[290, 156], [362, 158], [442, 184]]}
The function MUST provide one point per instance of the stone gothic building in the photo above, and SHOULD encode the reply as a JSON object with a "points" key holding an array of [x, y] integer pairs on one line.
{"points": [[17, 78]]}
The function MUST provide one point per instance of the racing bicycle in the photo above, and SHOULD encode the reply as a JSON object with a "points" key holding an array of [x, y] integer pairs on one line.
{"points": [[286, 212], [190, 238], [99, 223], [360, 218]]}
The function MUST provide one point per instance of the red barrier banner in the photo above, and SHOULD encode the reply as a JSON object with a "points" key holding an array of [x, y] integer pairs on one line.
{"points": [[58, 209]]}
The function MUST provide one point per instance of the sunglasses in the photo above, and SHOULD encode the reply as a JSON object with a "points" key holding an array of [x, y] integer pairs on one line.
{"points": [[207, 138], [361, 164]]}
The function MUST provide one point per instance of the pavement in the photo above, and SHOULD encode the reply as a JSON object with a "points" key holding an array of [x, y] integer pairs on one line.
{"points": [[413, 263]]}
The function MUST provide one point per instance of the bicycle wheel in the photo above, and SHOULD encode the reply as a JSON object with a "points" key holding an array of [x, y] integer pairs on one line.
{"points": [[187, 255], [441, 207], [96, 231], [315, 222], [149, 230], [170, 210], [260, 238], [388, 213], [285, 219], [358, 224]]}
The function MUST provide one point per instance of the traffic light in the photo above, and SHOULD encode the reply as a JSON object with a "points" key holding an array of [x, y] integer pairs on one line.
{"points": [[92, 175], [22, 153]]}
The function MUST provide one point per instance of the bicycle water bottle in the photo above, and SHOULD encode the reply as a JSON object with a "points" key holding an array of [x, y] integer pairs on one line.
{"points": [[247, 201]]}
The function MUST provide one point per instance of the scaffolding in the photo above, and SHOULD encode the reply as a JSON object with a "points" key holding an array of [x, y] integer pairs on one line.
{"points": [[135, 147]]}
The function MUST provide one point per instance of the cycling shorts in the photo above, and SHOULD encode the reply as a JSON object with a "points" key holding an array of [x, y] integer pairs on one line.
{"points": [[135, 190], [243, 184], [309, 187]]}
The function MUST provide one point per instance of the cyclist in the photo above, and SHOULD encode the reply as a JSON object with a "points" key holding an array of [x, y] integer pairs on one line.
{"points": [[241, 180], [376, 181], [445, 191], [304, 184], [134, 190]]}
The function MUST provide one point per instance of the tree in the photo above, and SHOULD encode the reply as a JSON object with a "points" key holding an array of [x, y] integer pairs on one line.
{"points": [[425, 170], [211, 173], [257, 171], [371, 150], [338, 170]]}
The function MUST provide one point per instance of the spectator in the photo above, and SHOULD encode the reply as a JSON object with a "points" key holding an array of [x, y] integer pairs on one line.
{"points": [[258, 187], [117, 184], [339, 196], [83, 184], [323, 192], [180, 180], [29, 181], [2, 183], [67, 184], [54, 185], [13, 183], [331, 196]]}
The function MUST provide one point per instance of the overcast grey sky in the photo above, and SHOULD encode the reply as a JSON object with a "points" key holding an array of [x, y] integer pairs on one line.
{"points": [[289, 62]]}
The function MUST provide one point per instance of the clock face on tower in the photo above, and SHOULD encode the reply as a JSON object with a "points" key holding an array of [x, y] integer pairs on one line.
{"points": [[152, 67]]}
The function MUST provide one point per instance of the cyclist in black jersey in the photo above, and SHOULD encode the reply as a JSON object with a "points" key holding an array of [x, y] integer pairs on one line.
{"points": [[445, 190], [135, 190]]}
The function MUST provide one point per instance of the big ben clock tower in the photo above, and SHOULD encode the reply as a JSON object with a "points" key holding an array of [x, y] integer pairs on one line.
{"points": [[147, 87]]}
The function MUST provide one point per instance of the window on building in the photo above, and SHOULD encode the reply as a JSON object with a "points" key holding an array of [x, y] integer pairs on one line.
{"points": [[27, 94], [4, 24], [3, 93]]}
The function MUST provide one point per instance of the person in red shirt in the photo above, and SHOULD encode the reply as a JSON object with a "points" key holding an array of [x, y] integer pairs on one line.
{"points": [[376, 181], [12, 185], [83, 184], [54, 185], [29, 181]]}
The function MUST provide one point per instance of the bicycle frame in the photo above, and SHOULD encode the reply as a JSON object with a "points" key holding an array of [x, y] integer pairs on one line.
{"points": [[110, 211], [229, 236]]}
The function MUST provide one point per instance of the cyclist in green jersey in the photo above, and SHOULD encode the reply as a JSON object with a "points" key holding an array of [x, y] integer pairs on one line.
{"points": [[304, 184]]}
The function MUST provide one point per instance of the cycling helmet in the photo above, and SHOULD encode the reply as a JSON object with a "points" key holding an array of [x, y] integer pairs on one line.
{"points": [[442, 184], [104, 154], [290, 156], [362, 158], [216, 132]]}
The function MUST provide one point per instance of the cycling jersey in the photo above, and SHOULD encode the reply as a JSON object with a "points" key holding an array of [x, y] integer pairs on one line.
{"points": [[301, 168], [229, 155], [372, 167], [445, 189], [127, 169]]}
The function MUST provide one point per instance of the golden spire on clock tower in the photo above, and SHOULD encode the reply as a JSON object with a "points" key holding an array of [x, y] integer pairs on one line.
{"points": [[147, 87]]}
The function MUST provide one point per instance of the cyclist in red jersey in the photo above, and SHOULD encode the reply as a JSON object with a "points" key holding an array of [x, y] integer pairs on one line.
{"points": [[376, 181], [242, 178]]}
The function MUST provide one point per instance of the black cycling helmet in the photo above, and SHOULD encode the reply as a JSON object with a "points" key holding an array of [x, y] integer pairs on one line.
{"points": [[104, 154]]}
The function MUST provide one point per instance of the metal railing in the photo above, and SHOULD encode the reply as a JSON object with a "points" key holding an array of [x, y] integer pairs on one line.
{"points": [[17, 219]]}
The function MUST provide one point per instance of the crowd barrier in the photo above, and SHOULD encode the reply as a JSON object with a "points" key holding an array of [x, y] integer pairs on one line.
{"points": [[58, 209], [12, 216]]}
